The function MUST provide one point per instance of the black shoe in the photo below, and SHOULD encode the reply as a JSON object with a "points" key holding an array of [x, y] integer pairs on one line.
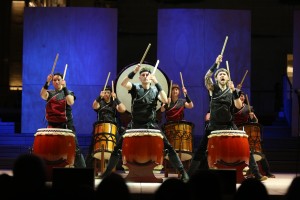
{"points": [[184, 177], [261, 178], [270, 175]]}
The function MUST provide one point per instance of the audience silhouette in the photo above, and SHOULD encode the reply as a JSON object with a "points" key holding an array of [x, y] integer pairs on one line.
{"points": [[293, 192], [29, 176], [113, 186], [172, 188], [251, 189]]}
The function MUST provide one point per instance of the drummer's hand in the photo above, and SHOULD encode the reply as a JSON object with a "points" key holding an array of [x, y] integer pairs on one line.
{"points": [[113, 95], [231, 85], [251, 115], [239, 86], [152, 78], [219, 59], [49, 77], [137, 68], [102, 93]]}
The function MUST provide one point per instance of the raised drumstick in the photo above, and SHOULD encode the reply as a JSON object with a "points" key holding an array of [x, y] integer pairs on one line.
{"points": [[145, 53], [156, 65], [106, 81], [170, 91], [65, 72], [182, 82], [223, 49], [227, 65], [54, 64], [112, 88], [244, 77]]}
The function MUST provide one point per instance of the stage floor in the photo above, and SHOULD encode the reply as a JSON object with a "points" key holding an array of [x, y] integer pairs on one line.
{"points": [[275, 186]]}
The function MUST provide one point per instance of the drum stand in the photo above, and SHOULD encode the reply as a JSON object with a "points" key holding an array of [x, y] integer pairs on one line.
{"points": [[238, 166], [102, 162], [142, 173]]}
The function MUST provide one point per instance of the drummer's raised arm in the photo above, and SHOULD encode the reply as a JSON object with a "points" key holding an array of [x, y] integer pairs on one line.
{"points": [[126, 83]]}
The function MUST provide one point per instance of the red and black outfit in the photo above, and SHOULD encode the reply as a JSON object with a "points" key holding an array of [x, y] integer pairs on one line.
{"points": [[59, 115]]}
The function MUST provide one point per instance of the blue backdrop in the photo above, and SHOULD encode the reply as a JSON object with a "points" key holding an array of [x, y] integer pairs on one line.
{"points": [[189, 40], [86, 40]]}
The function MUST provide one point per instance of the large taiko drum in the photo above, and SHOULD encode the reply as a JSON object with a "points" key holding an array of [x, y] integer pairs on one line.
{"points": [[56, 147], [253, 130], [180, 137], [104, 139], [228, 147], [141, 146]]}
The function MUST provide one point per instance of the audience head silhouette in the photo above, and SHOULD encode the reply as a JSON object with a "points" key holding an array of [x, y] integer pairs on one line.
{"points": [[293, 192], [118, 183], [172, 188], [29, 174], [251, 189]]}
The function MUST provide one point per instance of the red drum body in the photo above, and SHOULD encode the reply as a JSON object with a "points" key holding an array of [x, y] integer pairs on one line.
{"points": [[180, 137], [253, 130], [142, 146], [104, 139], [56, 147], [228, 148]]}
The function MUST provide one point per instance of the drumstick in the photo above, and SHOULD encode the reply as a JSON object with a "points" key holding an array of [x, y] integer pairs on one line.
{"points": [[244, 77], [170, 92], [65, 71], [54, 64], [106, 81], [224, 45], [145, 53], [157, 62], [227, 65], [248, 103], [181, 81], [112, 88]]}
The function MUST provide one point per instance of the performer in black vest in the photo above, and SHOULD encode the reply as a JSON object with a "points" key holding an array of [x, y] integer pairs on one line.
{"points": [[224, 98], [144, 102]]}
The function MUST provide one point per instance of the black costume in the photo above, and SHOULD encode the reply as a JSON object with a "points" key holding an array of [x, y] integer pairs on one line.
{"points": [[144, 102]]}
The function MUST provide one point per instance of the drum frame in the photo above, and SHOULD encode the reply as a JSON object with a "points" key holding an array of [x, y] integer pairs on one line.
{"points": [[180, 136], [105, 134]]}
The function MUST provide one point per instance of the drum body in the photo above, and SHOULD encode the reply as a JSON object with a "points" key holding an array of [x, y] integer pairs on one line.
{"points": [[142, 146], [56, 147], [180, 137], [104, 138], [253, 130], [229, 147]]}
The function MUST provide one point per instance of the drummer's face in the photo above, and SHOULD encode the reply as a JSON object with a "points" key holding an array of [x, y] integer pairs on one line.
{"points": [[107, 94], [242, 97], [144, 77], [57, 81]]}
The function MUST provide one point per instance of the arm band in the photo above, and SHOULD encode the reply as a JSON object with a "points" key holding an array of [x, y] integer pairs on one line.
{"points": [[46, 86], [235, 95], [131, 75], [66, 91], [117, 101], [98, 99], [187, 98], [213, 68], [158, 86]]}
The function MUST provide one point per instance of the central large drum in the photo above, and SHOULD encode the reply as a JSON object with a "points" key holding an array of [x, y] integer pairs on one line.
{"points": [[142, 151], [227, 147]]}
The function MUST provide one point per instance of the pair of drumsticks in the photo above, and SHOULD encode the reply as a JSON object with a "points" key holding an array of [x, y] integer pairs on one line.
{"points": [[54, 65]]}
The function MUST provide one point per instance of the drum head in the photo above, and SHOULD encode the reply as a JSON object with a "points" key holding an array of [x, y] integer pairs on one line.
{"points": [[122, 92]]}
